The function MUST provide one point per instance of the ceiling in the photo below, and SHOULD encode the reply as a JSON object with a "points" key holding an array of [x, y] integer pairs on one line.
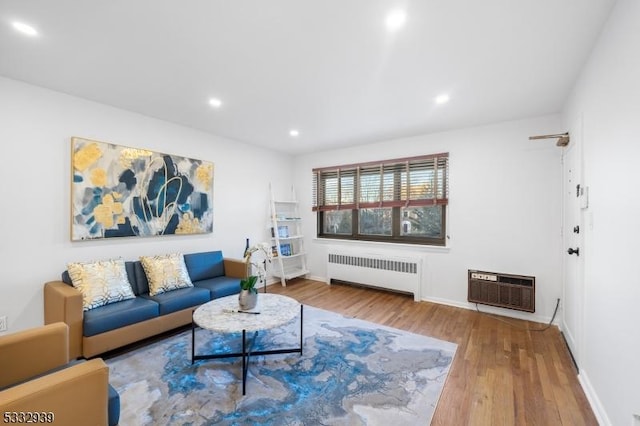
{"points": [[328, 68]]}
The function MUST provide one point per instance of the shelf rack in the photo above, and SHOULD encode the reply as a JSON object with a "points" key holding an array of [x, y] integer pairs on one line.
{"points": [[287, 240]]}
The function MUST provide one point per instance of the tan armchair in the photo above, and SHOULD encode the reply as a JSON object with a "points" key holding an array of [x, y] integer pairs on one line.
{"points": [[76, 395]]}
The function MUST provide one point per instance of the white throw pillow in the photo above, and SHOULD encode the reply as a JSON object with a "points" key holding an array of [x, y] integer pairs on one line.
{"points": [[101, 282], [165, 272]]}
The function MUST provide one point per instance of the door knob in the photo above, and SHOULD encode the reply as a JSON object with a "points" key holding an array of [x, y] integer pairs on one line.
{"points": [[575, 251]]}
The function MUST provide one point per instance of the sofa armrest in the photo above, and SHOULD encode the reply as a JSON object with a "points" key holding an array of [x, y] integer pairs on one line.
{"points": [[63, 303], [77, 395], [236, 268], [25, 354]]}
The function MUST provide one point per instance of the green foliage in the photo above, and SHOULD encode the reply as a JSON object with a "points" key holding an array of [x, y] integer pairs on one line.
{"points": [[249, 283]]}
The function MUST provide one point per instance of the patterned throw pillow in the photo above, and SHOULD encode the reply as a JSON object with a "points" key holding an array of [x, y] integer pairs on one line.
{"points": [[100, 282], [165, 272]]}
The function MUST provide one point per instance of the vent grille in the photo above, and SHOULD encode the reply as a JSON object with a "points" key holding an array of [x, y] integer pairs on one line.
{"points": [[502, 290], [374, 263], [379, 269]]}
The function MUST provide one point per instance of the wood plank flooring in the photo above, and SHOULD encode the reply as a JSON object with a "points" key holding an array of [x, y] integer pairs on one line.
{"points": [[503, 374]]}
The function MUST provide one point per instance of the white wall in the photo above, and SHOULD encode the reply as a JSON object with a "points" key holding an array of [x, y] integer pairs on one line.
{"points": [[607, 98], [36, 127], [504, 211]]}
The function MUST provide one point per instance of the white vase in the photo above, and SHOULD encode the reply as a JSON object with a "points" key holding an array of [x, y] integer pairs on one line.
{"points": [[247, 300]]}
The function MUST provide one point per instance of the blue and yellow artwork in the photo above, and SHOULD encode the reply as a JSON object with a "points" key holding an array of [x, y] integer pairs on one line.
{"points": [[118, 191]]}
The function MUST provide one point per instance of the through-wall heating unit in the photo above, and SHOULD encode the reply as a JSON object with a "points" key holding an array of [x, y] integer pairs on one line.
{"points": [[504, 290], [403, 274]]}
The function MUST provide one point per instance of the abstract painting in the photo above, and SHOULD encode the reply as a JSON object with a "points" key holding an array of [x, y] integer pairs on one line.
{"points": [[117, 191]]}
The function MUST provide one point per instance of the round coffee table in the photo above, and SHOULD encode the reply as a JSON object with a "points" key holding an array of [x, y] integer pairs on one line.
{"points": [[222, 315]]}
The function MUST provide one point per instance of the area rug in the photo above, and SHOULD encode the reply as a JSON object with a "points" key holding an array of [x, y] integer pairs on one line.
{"points": [[351, 372]]}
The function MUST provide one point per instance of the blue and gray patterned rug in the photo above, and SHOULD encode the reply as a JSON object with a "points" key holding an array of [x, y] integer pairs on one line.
{"points": [[352, 372]]}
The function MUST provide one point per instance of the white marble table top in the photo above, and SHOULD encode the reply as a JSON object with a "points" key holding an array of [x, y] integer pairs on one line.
{"points": [[275, 310]]}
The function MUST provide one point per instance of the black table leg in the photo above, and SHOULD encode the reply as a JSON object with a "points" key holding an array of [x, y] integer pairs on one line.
{"points": [[246, 356], [193, 339], [247, 350], [244, 362]]}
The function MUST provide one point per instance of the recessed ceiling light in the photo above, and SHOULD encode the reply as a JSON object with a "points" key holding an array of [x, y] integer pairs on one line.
{"points": [[396, 19], [215, 102], [25, 29], [294, 133], [442, 99]]}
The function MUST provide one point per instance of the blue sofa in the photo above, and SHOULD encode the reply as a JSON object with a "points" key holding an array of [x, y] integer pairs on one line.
{"points": [[112, 326]]}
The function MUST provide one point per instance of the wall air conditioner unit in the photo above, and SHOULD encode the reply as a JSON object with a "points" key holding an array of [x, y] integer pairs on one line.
{"points": [[503, 290]]}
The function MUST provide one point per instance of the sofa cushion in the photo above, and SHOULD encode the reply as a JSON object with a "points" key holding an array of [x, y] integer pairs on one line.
{"points": [[176, 300], [114, 406], [131, 275], [116, 315], [101, 282], [202, 266], [142, 284], [44, 373], [165, 272], [220, 286]]}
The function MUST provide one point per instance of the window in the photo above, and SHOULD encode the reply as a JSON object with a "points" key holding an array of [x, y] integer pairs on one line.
{"points": [[402, 200]]}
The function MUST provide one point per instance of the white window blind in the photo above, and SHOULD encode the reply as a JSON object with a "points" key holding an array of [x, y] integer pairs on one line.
{"points": [[402, 182]]}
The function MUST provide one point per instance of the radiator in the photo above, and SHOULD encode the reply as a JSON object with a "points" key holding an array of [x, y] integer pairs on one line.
{"points": [[403, 274], [504, 290]]}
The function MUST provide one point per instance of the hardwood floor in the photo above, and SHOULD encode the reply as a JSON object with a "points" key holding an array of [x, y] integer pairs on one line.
{"points": [[503, 374]]}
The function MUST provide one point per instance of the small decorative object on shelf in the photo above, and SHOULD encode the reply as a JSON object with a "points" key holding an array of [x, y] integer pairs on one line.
{"points": [[246, 249], [283, 231], [285, 249]]}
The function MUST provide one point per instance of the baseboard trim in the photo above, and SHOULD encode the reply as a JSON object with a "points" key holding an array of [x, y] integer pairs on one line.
{"points": [[594, 401], [566, 343], [492, 310]]}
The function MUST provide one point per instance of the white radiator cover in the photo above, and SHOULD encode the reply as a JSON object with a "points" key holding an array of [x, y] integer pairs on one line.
{"points": [[398, 273]]}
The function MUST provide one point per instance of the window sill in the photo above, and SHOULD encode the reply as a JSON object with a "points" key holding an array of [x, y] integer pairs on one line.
{"points": [[380, 244]]}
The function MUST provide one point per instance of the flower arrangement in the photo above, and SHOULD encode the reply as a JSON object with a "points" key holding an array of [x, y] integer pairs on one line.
{"points": [[257, 256]]}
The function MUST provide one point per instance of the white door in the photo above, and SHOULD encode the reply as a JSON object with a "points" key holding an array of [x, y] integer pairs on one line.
{"points": [[573, 248]]}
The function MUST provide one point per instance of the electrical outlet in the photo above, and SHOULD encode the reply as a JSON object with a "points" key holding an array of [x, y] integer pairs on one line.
{"points": [[3, 323]]}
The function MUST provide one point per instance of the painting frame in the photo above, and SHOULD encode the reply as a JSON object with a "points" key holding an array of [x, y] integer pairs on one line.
{"points": [[121, 191]]}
